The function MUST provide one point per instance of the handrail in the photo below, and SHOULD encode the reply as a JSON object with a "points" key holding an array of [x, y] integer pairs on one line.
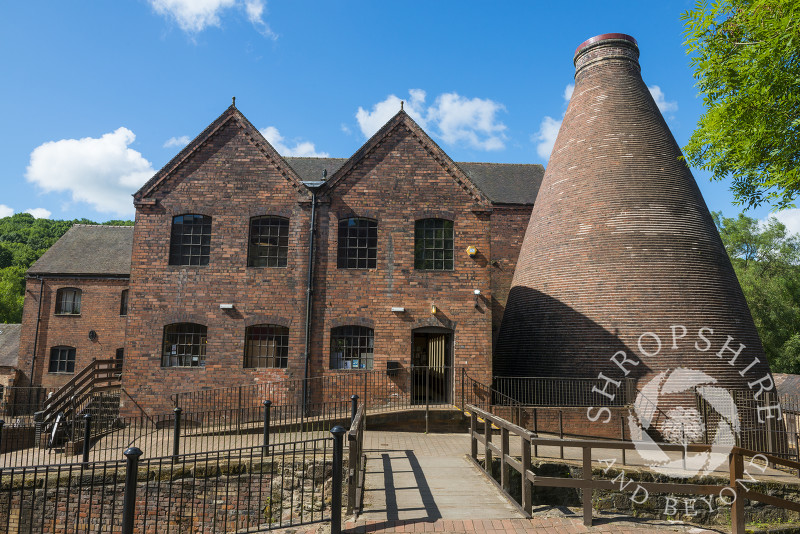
{"points": [[736, 485], [356, 462], [98, 374]]}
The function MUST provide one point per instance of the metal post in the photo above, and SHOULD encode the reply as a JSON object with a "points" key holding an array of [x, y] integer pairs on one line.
{"points": [[427, 396], [129, 497], [87, 434], [622, 435], [336, 486], [176, 435], [267, 406], [364, 398], [1, 435], [561, 430], [463, 373], [353, 407]]}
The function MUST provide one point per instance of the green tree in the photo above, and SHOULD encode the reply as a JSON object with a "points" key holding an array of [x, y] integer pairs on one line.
{"points": [[746, 61], [12, 293], [766, 259]]}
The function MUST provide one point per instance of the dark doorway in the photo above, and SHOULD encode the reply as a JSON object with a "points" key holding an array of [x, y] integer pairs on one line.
{"points": [[431, 366]]}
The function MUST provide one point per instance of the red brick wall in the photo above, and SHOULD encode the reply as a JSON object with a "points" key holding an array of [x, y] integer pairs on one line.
{"points": [[231, 179], [100, 307]]}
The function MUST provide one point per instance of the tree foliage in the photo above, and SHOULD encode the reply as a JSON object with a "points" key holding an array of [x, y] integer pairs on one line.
{"points": [[23, 239], [745, 55], [767, 263]]}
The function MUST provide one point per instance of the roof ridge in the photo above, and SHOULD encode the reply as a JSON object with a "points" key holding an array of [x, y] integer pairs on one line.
{"points": [[104, 225]]}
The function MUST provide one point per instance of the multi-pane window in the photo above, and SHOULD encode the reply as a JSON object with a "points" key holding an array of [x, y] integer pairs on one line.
{"points": [[62, 360], [184, 345], [266, 345], [351, 347], [123, 302], [68, 301], [191, 240], [433, 245], [358, 243], [269, 242]]}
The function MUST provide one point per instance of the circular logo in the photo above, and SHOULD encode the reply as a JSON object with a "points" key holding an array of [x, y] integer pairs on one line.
{"points": [[683, 425]]}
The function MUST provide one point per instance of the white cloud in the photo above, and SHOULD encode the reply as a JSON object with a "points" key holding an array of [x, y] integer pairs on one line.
{"points": [[661, 101], [790, 219], [102, 172], [181, 141], [5, 211], [39, 213], [454, 118], [194, 16], [545, 138], [300, 149]]}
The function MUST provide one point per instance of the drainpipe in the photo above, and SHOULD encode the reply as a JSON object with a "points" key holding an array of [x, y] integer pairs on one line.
{"points": [[310, 287], [38, 320]]}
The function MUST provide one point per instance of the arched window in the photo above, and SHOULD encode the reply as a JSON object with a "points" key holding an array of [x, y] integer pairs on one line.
{"points": [[352, 347], [190, 242], [62, 360], [123, 302], [358, 243], [433, 245], [184, 345], [266, 345], [68, 301], [269, 242]]}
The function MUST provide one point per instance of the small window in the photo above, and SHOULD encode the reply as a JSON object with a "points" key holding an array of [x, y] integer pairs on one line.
{"points": [[123, 302], [62, 360], [119, 356], [358, 244], [191, 240], [351, 347], [266, 345], [184, 345], [68, 301], [433, 245], [269, 242]]}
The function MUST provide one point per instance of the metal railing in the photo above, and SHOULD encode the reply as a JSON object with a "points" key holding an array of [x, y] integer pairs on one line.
{"points": [[554, 391], [735, 490], [239, 490], [356, 465]]}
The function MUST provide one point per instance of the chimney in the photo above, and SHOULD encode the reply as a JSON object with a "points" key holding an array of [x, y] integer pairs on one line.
{"points": [[621, 252]]}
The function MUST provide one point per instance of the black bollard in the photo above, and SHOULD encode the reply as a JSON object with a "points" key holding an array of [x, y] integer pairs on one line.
{"points": [[353, 408], [267, 406], [176, 435]]}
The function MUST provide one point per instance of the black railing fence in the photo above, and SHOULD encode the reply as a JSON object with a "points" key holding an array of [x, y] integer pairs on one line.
{"points": [[251, 489], [18, 404], [552, 391]]}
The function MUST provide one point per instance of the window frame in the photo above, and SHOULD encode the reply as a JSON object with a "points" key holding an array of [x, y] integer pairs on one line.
{"points": [[67, 362], [74, 303], [123, 303], [364, 337], [348, 231], [281, 249], [198, 335], [178, 255], [278, 335], [425, 255]]}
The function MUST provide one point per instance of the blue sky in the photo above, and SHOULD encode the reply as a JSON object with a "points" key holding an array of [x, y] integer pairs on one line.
{"points": [[97, 96]]}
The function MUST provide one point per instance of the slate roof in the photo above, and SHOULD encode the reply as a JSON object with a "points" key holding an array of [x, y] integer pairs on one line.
{"points": [[89, 250], [9, 344], [787, 384], [502, 183]]}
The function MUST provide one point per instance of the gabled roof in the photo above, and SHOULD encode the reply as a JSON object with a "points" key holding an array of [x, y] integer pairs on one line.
{"points": [[9, 344], [310, 169], [89, 250], [402, 119], [232, 114]]}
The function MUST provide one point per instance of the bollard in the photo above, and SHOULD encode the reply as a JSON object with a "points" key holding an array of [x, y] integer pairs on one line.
{"points": [[129, 497], [176, 435], [87, 433], [267, 406], [336, 486], [353, 408]]}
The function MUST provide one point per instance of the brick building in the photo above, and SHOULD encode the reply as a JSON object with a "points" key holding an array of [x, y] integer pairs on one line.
{"points": [[412, 261], [75, 304]]}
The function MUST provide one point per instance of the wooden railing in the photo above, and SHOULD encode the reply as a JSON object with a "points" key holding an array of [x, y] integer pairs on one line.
{"points": [[100, 375], [735, 491], [356, 462]]}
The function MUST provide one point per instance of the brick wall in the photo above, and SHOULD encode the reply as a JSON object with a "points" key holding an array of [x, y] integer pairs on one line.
{"points": [[100, 308]]}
